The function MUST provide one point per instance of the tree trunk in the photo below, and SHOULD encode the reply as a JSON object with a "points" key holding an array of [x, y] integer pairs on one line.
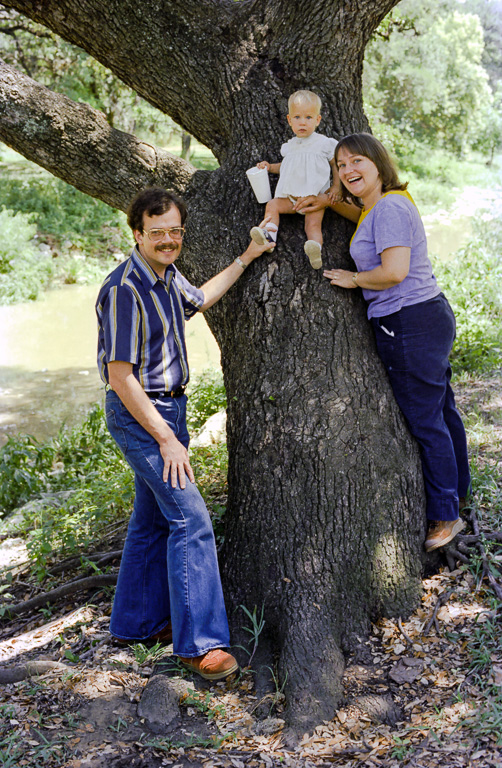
{"points": [[325, 516]]}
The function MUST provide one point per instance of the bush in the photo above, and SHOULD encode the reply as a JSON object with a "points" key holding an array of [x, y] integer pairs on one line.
{"points": [[78, 457], [472, 281], [83, 233], [206, 396], [23, 271]]}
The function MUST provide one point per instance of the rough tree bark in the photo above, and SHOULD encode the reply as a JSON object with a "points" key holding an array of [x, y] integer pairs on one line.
{"points": [[325, 515]]}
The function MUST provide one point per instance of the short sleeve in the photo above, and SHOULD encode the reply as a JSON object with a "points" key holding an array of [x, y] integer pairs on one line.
{"points": [[192, 298], [120, 321], [329, 147], [393, 223], [286, 148]]}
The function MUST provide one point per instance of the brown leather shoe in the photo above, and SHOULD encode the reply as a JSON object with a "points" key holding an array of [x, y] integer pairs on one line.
{"points": [[441, 532], [165, 636], [213, 665]]}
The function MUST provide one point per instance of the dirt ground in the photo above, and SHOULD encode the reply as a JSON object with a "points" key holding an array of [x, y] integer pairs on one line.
{"points": [[413, 694]]}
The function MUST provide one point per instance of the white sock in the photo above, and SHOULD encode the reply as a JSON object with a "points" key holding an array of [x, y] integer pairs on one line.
{"points": [[273, 229]]}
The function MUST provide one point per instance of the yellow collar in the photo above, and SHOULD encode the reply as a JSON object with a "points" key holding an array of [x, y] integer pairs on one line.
{"points": [[403, 193]]}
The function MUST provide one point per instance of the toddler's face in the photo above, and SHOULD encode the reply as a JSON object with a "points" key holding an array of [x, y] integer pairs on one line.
{"points": [[304, 119]]}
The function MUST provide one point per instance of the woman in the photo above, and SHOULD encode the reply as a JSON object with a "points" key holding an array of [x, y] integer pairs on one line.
{"points": [[413, 322]]}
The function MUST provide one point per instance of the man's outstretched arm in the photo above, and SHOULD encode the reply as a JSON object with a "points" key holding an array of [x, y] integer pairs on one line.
{"points": [[218, 285]]}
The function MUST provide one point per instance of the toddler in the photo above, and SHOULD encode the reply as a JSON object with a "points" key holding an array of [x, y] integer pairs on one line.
{"points": [[305, 170]]}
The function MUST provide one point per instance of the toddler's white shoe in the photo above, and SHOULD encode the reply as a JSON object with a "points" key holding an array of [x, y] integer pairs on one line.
{"points": [[313, 250], [261, 236]]}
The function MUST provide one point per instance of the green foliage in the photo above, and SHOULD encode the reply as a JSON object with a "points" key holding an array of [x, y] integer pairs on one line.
{"points": [[62, 211], [424, 77], [82, 232], [435, 177], [86, 463], [206, 396], [472, 281], [24, 272], [204, 703], [257, 624], [29, 468]]}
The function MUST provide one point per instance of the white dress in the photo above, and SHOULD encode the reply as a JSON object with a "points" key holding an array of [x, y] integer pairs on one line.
{"points": [[305, 169]]}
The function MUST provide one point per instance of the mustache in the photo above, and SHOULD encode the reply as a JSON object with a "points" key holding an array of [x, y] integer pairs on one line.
{"points": [[166, 247]]}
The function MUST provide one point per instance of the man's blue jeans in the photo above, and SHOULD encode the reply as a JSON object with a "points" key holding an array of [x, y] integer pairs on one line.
{"points": [[414, 344], [169, 567]]}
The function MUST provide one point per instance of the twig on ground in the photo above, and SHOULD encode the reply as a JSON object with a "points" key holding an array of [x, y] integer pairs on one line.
{"points": [[459, 556], [406, 637], [30, 669], [90, 582], [442, 599], [92, 650]]}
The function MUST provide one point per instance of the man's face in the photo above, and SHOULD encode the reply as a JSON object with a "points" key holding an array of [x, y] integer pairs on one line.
{"points": [[161, 253]]}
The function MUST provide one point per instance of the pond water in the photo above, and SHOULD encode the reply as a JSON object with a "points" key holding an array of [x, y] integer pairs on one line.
{"points": [[48, 373]]}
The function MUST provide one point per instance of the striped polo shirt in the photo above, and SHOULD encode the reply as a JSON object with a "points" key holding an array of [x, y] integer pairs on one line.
{"points": [[141, 320]]}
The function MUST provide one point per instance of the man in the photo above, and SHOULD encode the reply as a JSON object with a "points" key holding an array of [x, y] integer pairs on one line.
{"points": [[169, 583]]}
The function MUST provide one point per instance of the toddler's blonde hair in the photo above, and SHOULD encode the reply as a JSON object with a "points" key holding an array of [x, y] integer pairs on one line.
{"points": [[304, 97]]}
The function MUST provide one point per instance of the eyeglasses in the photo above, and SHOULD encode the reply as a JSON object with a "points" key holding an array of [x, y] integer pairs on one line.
{"points": [[156, 235]]}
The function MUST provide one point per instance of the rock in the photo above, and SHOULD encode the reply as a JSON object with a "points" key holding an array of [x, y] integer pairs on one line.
{"points": [[406, 671], [160, 703], [268, 726], [381, 709], [213, 431]]}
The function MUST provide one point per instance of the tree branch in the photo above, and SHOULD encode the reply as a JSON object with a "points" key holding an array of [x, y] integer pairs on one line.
{"points": [[167, 56], [194, 59], [76, 143]]}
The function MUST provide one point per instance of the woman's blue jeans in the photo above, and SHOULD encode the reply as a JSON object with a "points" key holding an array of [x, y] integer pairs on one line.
{"points": [[169, 567], [414, 344]]}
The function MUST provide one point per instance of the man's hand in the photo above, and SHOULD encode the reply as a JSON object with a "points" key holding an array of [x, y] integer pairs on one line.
{"points": [[176, 462]]}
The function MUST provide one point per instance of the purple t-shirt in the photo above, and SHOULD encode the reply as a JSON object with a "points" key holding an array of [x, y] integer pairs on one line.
{"points": [[394, 220]]}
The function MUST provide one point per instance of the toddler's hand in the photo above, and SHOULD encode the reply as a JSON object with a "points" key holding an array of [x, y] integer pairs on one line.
{"points": [[334, 197], [263, 164]]}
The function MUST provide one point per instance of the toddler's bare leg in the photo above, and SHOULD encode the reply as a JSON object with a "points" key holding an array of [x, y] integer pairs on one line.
{"points": [[313, 226], [313, 230]]}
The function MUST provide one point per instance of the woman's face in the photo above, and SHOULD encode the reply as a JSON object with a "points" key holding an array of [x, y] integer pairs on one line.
{"points": [[358, 174]]}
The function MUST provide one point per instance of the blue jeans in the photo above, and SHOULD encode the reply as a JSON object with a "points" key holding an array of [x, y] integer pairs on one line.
{"points": [[169, 567], [414, 344]]}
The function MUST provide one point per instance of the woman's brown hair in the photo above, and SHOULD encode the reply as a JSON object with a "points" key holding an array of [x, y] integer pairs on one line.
{"points": [[365, 144]]}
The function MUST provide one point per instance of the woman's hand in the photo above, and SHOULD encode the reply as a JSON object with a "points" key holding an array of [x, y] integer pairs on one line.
{"points": [[311, 203], [340, 277], [263, 164]]}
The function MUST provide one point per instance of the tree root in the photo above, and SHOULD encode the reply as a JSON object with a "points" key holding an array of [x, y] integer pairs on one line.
{"points": [[30, 669], [90, 582], [468, 544]]}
